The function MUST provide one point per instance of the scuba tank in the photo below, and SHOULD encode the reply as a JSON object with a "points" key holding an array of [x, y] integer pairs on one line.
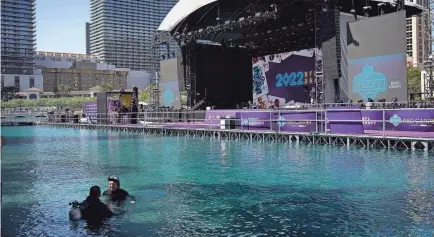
{"points": [[76, 210]]}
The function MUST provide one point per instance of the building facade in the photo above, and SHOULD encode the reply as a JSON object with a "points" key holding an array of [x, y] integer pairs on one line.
{"points": [[18, 32], [417, 39], [81, 72], [121, 32], [87, 37], [18, 43], [80, 79], [62, 60]]}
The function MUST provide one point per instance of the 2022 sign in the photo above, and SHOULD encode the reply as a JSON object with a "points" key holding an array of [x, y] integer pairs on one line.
{"points": [[294, 79]]}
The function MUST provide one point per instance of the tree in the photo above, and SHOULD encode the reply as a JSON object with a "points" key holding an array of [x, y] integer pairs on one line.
{"points": [[74, 103], [145, 95], [8, 93], [413, 80], [106, 87], [183, 98], [64, 90]]}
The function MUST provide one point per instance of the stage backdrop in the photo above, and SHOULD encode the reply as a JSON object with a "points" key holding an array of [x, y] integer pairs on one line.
{"points": [[281, 78], [170, 95], [377, 58]]}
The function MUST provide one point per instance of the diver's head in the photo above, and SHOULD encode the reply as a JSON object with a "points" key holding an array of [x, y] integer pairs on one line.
{"points": [[114, 182], [95, 191]]}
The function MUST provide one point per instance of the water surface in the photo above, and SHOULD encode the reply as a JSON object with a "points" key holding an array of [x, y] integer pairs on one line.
{"points": [[208, 187]]}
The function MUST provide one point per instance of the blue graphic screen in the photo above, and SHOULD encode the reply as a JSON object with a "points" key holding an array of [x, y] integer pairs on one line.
{"points": [[382, 77]]}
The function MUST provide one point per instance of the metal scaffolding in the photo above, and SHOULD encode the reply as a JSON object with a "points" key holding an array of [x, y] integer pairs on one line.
{"points": [[161, 37], [190, 76], [326, 21], [427, 27]]}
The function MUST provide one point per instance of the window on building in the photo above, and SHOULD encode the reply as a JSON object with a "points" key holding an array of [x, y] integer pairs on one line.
{"points": [[408, 34], [410, 53], [31, 82], [53, 59], [17, 82], [3, 81]]}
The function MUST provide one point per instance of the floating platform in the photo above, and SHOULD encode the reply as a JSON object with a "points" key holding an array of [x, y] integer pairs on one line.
{"points": [[365, 140]]}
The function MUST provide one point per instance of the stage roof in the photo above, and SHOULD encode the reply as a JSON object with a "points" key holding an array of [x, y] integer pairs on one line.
{"points": [[184, 8]]}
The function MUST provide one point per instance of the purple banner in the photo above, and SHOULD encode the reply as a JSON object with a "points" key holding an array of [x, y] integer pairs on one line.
{"points": [[417, 120], [369, 118], [258, 119], [90, 109], [295, 121], [348, 113]]}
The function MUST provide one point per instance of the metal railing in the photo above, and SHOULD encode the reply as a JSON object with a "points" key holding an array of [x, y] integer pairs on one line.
{"points": [[300, 121]]}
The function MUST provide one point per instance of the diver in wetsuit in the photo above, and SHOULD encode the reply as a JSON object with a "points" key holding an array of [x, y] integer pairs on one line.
{"points": [[93, 209], [115, 193]]}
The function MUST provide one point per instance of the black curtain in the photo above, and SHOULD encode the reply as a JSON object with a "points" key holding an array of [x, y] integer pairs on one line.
{"points": [[224, 75]]}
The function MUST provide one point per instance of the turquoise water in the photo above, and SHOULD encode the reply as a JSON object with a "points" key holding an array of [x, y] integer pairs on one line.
{"points": [[206, 187]]}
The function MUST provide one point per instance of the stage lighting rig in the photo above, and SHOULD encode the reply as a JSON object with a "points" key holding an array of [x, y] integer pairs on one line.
{"points": [[227, 26]]}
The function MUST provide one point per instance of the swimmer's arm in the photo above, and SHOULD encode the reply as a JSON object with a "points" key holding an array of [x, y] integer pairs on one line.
{"points": [[132, 199]]}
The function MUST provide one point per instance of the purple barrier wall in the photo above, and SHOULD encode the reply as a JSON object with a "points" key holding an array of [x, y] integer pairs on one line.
{"points": [[255, 120], [396, 120], [90, 109], [410, 120], [345, 113], [369, 117], [292, 121], [415, 120]]}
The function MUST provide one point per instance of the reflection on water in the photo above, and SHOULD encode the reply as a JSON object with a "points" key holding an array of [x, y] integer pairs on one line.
{"points": [[207, 187]]}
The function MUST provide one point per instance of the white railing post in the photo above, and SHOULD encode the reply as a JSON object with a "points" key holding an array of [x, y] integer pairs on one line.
{"points": [[384, 122], [271, 120]]}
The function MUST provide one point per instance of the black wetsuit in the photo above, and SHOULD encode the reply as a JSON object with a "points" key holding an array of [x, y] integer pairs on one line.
{"points": [[118, 195], [93, 209]]}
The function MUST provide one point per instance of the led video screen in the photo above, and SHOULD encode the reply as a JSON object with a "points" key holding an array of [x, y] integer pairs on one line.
{"points": [[376, 55], [170, 96], [281, 78]]}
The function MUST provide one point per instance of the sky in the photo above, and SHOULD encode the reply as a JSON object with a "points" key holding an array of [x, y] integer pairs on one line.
{"points": [[61, 25]]}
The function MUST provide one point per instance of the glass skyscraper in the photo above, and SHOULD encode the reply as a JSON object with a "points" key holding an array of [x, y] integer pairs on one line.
{"points": [[122, 31], [18, 32]]}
